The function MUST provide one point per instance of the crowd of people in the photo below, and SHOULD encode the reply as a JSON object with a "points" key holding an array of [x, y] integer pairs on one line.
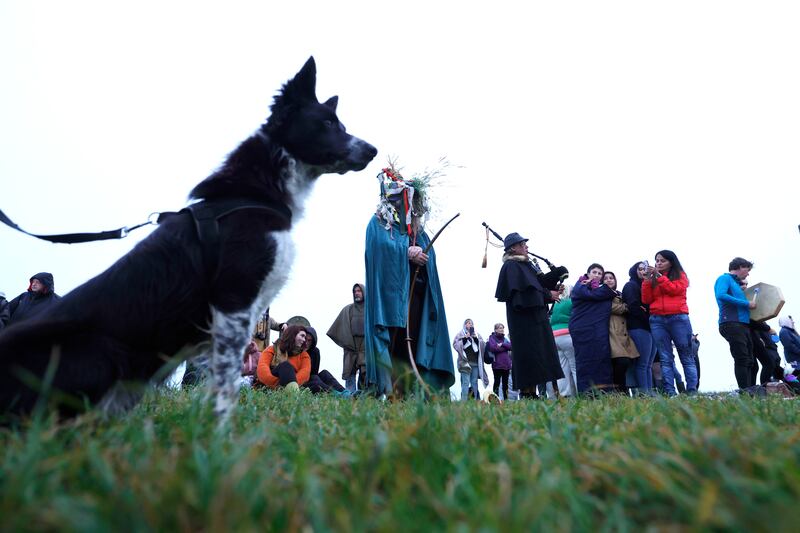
{"points": [[588, 339], [612, 341]]}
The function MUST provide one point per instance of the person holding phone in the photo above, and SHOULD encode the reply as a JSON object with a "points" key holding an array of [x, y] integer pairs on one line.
{"points": [[664, 291], [470, 348], [638, 323]]}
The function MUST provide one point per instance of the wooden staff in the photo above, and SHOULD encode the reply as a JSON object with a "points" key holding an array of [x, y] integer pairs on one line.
{"points": [[408, 311]]}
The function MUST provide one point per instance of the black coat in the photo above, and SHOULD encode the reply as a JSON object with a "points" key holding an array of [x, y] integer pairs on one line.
{"points": [[5, 312], [533, 348], [31, 303], [638, 315]]}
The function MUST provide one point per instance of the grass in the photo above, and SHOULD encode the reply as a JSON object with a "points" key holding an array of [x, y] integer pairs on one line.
{"points": [[327, 464]]}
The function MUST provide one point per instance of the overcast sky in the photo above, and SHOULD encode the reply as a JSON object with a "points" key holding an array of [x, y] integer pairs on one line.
{"points": [[602, 131]]}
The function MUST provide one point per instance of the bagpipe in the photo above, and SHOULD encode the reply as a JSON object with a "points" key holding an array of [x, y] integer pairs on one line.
{"points": [[550, 280]]}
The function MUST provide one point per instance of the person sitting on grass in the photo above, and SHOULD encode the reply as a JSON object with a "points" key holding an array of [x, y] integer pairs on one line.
{"points": [[249, 364], [320, 380], [286, 364]]}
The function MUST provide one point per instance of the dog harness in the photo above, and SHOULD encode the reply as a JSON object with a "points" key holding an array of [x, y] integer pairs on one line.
{"points": [[207, 214]]}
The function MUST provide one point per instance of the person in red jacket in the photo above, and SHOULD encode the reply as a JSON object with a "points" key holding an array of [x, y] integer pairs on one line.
{"points": [[664, 290], [286, 363]]}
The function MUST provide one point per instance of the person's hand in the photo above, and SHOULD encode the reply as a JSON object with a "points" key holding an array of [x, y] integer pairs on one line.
{"points": [[555, 294], [752, 305], [284, 326], [417, 256], [650, 272]]}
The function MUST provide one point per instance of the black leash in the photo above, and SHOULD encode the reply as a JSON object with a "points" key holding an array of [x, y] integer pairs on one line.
{"points": [[74, 238], [206, 215]]}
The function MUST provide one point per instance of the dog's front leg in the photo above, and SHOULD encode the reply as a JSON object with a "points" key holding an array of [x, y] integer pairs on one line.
{"points": [[230, 335]]}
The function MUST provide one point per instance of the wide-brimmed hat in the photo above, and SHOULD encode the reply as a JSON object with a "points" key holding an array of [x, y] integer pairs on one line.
{"points": [[512, 239]]}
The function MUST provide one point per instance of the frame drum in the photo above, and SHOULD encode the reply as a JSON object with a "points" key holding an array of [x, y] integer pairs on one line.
{"points": [[770, 301]]}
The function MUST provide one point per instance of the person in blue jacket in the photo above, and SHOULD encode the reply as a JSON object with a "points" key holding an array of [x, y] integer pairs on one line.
{"points": [[734, 319], [588, 326], [396, 249]]}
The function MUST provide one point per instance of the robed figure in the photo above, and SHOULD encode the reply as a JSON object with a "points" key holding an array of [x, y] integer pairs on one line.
{"points": [[535, 354], [395, 242], [347, 331]]}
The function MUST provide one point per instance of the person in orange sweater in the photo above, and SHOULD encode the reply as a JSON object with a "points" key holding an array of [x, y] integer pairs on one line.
{"points": [[286, 363]]}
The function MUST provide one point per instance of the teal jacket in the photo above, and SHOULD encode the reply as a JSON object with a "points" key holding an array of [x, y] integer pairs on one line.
{"points": [[733, 304], [386, 305], [559, 318]]}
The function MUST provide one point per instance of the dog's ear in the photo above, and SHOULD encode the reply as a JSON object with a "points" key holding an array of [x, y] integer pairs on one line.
{"points": [[304, 84], [332, 102]]}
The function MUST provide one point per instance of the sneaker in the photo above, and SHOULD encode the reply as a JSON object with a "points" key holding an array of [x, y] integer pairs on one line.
{"points": [[292, 387]]}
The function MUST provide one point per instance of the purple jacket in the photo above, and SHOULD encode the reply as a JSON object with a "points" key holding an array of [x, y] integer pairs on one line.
{"points": [[501, 350]]}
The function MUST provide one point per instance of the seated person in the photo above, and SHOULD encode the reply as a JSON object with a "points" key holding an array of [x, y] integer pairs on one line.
{"points": [[285, 364], [319, 381], [249, 364]]}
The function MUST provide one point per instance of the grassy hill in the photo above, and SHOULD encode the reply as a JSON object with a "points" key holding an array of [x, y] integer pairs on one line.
{"points": [[328, 464]]}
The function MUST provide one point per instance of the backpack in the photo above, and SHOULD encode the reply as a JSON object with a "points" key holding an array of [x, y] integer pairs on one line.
{"points": [[488, 357]]}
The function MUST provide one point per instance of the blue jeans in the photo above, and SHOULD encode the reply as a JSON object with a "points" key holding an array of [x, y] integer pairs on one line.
{"points": [[646, 347], [468, 380], [668, 330]]}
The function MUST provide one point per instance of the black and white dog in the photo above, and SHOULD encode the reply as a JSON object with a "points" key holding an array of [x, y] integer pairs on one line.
{"points": [[198, 282]]}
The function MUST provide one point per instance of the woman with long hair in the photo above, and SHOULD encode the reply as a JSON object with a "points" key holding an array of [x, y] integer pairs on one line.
{"points": [[588, 327], [623, 351], [664, 291], [286, 364], [638, 323]]}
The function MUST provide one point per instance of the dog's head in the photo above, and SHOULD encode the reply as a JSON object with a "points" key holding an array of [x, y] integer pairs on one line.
{"points": [[310, 131]]}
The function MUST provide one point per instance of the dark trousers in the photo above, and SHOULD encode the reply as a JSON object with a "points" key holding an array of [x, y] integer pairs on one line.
{"points": [[767, 366], [741, 344], [323, 382], [285, 373], [619, 368], [500, 375]]}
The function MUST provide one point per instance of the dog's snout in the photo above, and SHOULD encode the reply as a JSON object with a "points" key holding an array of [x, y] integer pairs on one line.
{"points": [[361, 153], [370, 150]]}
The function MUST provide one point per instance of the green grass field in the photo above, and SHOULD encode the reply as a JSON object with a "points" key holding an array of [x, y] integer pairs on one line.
{"points": [[292, 462]]}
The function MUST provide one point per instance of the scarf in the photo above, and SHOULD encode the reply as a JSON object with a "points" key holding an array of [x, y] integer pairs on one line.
{"points": [[465, 334]]}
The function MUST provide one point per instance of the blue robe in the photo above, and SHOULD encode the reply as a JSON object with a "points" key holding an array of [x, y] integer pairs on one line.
{"points": [[386, 305]]}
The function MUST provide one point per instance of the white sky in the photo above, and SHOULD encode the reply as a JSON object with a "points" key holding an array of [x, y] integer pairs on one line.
{"points": [[603, 131]]}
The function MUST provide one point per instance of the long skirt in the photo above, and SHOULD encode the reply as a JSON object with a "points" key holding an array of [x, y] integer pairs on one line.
{"points": [[592, 360]]}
